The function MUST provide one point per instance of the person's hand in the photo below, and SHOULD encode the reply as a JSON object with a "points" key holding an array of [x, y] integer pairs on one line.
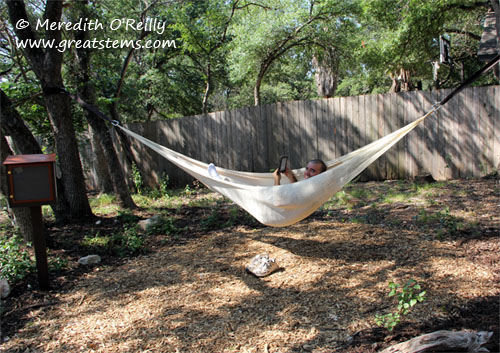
{"points": [[277, 177], [289, 174]]}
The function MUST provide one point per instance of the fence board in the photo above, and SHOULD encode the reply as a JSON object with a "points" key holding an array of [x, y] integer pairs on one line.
{"points": [[460, 140], [483, 130], [322, 119], [418, 152], [469, 133], [496, 132], [262, 146], [292, 117], [279, 137], [337, 126], [489, 118], [235, 146], [219, 153], [371, 130], [271, 146]]}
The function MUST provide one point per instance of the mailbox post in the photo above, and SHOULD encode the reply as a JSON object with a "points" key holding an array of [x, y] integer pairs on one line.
{"points": [[32, 183]]}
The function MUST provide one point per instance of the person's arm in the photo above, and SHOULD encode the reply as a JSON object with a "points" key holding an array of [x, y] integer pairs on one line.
{"points": [[289, 174]]}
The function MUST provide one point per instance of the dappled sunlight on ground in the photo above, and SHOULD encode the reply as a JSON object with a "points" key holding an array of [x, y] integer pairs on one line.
{"points": [[195, 295]]}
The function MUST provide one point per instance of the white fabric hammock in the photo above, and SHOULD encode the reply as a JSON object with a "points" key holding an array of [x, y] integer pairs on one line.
{"points": [[286, 204]]}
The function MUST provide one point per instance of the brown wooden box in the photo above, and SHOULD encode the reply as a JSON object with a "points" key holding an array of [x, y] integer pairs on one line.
{"points": [[31, 179]]}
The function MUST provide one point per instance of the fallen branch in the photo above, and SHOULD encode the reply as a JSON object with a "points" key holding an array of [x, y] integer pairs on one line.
{"points": [[39, 305], [444, 341]]}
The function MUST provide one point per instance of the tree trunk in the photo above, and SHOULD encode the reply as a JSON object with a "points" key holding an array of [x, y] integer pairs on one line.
{"points": [[103, 177], [73, 183], [98, 125], [496, 7], [207, 90], [256, 89], [46, 65], [114, 167], [326, 74], [401, 82]]}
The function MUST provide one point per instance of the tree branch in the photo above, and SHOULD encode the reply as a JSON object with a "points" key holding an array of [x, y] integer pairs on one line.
{"points": [[17, 13], [466, 33]]}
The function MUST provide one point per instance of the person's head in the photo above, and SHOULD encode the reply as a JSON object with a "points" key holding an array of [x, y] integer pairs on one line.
{"points": [[314, 167]]}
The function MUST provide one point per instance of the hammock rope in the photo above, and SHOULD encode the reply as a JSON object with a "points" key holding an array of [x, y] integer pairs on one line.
{"points": [[283, 205]]}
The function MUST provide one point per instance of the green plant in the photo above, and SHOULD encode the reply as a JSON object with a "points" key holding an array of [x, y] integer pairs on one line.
{"points": [[164, 226], [233, 217], [162, 190], [15, 260], [130, 242], [103, 204], [137, 179], [449, 224], [212, 221], [188, 191], [164, 184], [57, 263], [127, 242], [407, 297]]}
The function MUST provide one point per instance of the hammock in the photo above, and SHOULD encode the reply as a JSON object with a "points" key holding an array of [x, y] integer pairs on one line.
{"points": [[281, 205]]}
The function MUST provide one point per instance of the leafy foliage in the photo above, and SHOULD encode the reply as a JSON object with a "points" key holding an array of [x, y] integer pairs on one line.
{"points": [[126, 242], [407, 297], [15, 260], [223, 46]]}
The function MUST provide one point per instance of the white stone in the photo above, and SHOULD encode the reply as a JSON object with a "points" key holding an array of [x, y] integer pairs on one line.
{"points": [[4, 288], [90, 260], [147, 224]]}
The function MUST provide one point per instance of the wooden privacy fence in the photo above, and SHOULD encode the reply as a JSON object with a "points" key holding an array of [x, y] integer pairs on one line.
{"points": [[461, 140]]}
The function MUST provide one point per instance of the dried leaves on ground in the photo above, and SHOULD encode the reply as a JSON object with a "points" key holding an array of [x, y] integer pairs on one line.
{"points": [[191, 293]]}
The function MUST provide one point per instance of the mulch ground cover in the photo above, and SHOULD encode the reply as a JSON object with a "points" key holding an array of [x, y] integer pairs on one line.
{"points": [[189, 292]]}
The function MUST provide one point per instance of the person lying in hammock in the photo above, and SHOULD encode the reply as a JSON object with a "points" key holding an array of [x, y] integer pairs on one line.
{"points": [[314, 167]]}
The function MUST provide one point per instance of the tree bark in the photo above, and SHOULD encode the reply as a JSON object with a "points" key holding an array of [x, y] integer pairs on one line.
{"points": [[47, 66], [98, 125], [496, 8], [326, 74], [401, 82], [104, 183], [443, 341], [208, 89]]}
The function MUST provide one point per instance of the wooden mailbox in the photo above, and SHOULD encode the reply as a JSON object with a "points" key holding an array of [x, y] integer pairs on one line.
{"points": [[31, 179]]}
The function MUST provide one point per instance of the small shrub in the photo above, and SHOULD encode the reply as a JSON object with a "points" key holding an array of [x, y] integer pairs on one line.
{"points": [[15, 260], [407, 298], [57, 263], [211, 222], [164, 226], [127, 242], [137, 179], [449, 224]]}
